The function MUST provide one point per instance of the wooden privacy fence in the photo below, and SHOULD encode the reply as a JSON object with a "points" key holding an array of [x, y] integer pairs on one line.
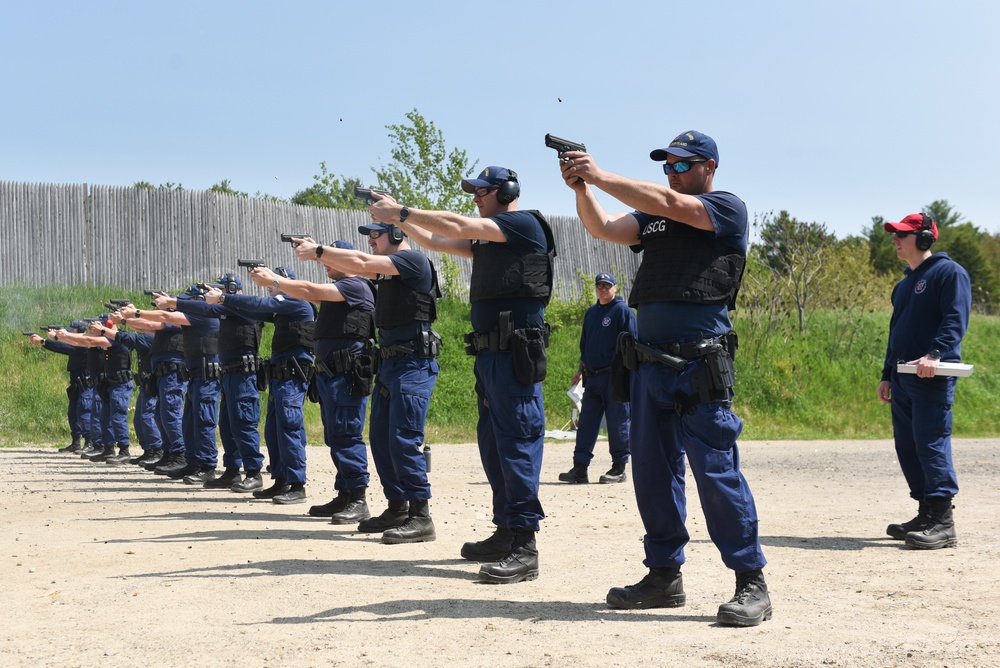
{"points": [[139, 238]]}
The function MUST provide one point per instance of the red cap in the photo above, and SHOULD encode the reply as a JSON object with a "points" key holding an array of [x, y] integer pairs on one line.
{"points": [[913, 223]]}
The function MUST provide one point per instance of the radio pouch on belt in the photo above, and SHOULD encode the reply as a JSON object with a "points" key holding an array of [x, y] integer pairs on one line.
{"points": [[622, 364], [527, 347]]}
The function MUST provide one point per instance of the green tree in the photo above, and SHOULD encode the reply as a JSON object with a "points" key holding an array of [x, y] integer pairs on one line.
{"points": [[423, 172], [330, 192], [964, 243], [146, 185], [881, 252], [226, 188], [943, 214]]}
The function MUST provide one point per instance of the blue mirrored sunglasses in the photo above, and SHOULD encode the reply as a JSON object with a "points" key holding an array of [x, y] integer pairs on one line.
{"points": [[680, 166]]}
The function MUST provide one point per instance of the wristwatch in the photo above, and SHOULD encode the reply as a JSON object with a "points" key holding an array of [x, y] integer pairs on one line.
{"points": [[222, 298], [933, 354], [274, 283], [138, 313], [404, 213], [319, 250]]}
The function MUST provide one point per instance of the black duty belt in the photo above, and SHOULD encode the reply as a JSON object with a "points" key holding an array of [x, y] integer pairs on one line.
{"points": [[166, 368], [587, 371], [692, 349]]}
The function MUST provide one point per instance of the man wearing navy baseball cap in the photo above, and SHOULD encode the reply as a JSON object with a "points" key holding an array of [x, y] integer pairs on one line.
{"points": [[512, 253], [694, 244], [602, 324], [345, 332], [407, 372], [930, 315]]}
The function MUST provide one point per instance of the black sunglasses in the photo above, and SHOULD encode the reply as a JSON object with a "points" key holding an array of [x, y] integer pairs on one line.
{"points": [[903, 235], [679, 167]]}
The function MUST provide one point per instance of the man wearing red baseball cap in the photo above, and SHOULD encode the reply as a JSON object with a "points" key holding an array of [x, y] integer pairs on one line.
{"points": [[930, 315]]}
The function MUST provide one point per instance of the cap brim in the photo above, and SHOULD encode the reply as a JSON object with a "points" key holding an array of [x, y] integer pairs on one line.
{"points": [[371, 227], [661, 154], [470, 185], [899, 227]]}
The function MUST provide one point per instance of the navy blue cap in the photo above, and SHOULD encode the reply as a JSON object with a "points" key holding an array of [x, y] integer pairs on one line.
{"points": [[605, 277], [372, 227], [286, 272], [491, 177], [688, 145], [343, 245]]}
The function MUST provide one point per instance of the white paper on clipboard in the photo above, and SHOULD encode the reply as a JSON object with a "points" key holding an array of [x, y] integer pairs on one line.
{"points": [[575, 394], [944, 369]]}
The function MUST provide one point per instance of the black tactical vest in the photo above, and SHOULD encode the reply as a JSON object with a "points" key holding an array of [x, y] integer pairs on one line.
{"points": [[77, 361], [290, 334], [167, 341], [337, 320], [197, 345], [95, 360], [505, 271], [236, 334], [685, 264], [117, 359], [398, 304]]}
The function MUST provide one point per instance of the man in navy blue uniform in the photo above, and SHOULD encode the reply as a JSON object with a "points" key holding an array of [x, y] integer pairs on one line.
{"points": [[201, 370], [512, 253], [166, 359], [114, 387], [602, 324], [930, 315], [290, 370], [694, 243], [239, 405], [405, 310], [345, 333], [145, 420], [80, 396]]}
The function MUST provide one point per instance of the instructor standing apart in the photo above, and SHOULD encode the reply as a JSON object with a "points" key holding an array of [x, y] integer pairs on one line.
{"points": [[930, 315], [694, 243]]}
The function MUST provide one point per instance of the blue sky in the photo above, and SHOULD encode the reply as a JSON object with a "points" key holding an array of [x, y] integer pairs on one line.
{"points": [[833, 111]]}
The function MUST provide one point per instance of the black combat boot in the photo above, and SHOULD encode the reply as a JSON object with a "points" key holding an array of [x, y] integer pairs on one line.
{"points": [[918, 523], [200, 476], [940, 529], [391, 517], [296, 493], [224, 481], [494, 548], [72, 447], [278, 486], [661, 588], [104, 454], [121, 458], [750, 605], [355, 510], [170, 463], [615, 474], [416, 528], [334, 506], [91, 450], [577, 474], [250, 483], [520, 564], [189, 469]]}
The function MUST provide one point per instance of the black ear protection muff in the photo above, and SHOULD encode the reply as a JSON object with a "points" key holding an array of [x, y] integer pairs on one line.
{"points": [[281, 271], [925, 237], [228, 282], [509, 189], [395, 235]]}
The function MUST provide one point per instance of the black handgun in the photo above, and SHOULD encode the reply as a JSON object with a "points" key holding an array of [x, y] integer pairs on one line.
{"points": [[49, 328], [251, 264], [150, 293], [563, 145], [205, 287], [121, 302], [292, 238], [30, 333], [366, 194]]}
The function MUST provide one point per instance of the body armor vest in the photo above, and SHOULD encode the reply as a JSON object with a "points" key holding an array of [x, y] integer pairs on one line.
{"points": [[337, 320], [199, 345], [145, 361], [77, 362], [167, 341], [235, 334], [398, 304], [290, 334], [684, 264], [117, 359], [95, 360], [501, 270]]}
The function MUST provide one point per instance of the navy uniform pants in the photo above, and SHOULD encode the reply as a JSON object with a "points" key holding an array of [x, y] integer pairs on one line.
{"points": [[343, 427], [285, 430], [921, 425], [660, 439], [511, 433], [78, 411], [146, 422], [94, 426], [170, 391], [114, 413], [397, 425], [239, 419], [597, 403], [200, 418]]}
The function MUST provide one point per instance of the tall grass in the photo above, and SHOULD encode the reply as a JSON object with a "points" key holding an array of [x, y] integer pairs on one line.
{"points": [[819, 383]]}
